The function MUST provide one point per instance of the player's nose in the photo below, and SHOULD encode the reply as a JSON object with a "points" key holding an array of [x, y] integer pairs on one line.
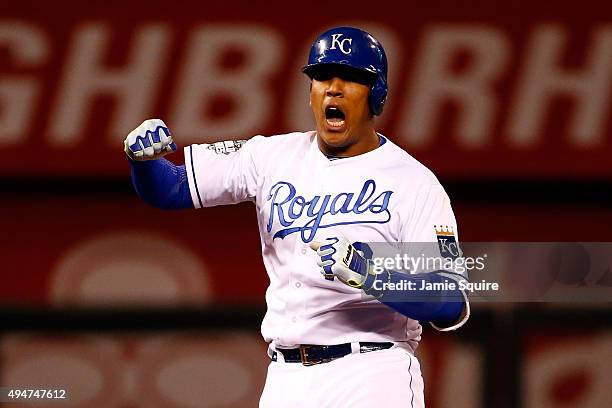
{"points": [[335, 87]]}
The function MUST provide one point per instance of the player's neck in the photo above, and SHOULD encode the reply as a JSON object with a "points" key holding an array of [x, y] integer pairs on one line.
{"points": [[365, 143]]}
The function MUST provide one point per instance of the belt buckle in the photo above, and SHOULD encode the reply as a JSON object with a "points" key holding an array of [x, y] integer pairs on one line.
{"points": [[304, 358]]}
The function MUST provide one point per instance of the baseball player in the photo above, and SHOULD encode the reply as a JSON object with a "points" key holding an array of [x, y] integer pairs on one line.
{"points": [[343, 337]]}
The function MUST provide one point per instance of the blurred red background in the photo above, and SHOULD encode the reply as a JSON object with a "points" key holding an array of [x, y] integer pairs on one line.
{"points": [[508, 103]]}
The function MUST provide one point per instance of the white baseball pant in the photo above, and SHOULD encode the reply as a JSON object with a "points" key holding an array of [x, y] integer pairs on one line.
{"points": [[384, 378]]}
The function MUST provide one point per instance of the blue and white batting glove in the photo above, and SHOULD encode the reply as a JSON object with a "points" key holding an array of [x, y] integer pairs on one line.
{"points": [[149, 141], [338, 257]]}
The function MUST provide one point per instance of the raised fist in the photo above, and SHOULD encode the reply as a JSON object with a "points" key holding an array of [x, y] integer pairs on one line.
{"points": [[149, 141]]}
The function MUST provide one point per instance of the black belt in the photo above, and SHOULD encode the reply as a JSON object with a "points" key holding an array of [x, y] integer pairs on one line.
{"points": [[311, 354]]}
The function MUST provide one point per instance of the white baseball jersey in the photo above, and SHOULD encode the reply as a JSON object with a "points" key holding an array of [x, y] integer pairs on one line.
{"points": [[300, 195]]}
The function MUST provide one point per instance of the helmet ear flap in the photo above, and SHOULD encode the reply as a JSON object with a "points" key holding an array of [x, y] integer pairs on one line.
{"points": [[378, 96]]}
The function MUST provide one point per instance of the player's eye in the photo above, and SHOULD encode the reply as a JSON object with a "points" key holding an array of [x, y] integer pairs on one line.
{"points": [[322, 75], [345, 73], [360, 77]]}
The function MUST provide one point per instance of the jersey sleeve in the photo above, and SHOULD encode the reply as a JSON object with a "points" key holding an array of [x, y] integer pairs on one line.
{"points": [[223, 172], [430, 231]]}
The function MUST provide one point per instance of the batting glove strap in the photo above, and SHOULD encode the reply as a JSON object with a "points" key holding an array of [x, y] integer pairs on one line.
{"points": [[358, 265], [339, 258]]}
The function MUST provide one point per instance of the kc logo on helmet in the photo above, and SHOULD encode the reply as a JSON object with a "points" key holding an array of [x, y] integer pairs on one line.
{"points": [[340, 43]]}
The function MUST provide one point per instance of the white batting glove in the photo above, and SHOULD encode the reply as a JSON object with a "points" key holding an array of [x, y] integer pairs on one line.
{"points": [[338, 257], [149, 141]]}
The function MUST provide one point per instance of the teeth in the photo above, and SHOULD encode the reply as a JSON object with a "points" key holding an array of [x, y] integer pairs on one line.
{"points": [[340, 123]]}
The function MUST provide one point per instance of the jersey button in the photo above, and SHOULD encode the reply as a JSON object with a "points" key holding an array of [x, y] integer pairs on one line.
{"points": [[298, 284], [304, 251]]}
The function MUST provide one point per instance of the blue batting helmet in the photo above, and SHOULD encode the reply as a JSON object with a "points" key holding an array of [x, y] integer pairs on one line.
{"points": [[355, 48]]}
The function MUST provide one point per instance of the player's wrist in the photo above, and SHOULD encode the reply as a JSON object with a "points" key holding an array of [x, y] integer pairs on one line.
{"points": [[373, 282]]}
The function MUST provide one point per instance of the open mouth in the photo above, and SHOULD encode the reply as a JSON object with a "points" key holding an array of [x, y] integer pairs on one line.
{"points": [[335, 117]]}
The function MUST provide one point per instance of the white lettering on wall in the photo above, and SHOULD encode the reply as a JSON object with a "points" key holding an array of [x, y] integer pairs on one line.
{"points": [[434, 83], [134, 86], [201, 79], [542, 79], [19, 93]]}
